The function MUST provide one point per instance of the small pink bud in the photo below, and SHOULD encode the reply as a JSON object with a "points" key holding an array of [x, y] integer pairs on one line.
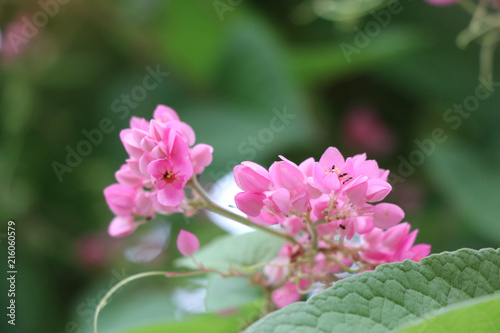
{"points": [[187, 243], [121, 226], [386, 215]]}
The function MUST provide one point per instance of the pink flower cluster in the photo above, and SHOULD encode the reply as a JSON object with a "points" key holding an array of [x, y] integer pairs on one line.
{"points": [[323, 205], [162, 159]]}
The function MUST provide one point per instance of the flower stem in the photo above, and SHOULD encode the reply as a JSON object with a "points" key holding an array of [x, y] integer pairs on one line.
{"points": [[104, 300], [216, 208]]}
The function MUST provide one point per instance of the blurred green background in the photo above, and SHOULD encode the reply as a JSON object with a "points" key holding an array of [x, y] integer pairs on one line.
{"points": [[231, 66]]}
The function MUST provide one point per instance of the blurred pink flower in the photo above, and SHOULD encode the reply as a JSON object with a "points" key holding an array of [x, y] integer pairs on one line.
{"points": [[364, 130], [442, 3]]}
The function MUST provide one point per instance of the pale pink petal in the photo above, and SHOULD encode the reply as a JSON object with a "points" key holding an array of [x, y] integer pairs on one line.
{"points": [[277, 269], [325, 180], [148, 144], [132, 147], [201, 155], [139, 123], [187, 243], [126, 177], [300, 202], [377, 190], [395, 235], [279, 201], [170, 196], [307, 167], [157, 130], [133, 164], [144, 204], [250, 203], [356, 189], [293, 225], [285, 295], [332, 158], [420, 251], [287, 175], [250, 180], [120, 199], [165, 114]]}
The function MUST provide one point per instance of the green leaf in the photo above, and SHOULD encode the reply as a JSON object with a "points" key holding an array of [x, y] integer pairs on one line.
{"points": [[241, 250], [477, 315], [391, 296], [320, 63], [232, 292], [471, 186]]}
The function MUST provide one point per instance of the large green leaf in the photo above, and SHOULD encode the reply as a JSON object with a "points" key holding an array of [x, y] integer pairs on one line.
{"points": [[477, 315], [240, 250], [392, 295]]}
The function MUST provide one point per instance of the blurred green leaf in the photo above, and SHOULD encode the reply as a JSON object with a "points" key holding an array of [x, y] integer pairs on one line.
{"points": [[241, 250], [190, 35], [228, 293], [478, 315], [471, 184], [196, 324], [319, 63]]}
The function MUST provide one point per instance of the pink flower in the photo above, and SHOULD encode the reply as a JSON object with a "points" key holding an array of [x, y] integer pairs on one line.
{"points": [[169, 179], [187, 243], [159, 166]]}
